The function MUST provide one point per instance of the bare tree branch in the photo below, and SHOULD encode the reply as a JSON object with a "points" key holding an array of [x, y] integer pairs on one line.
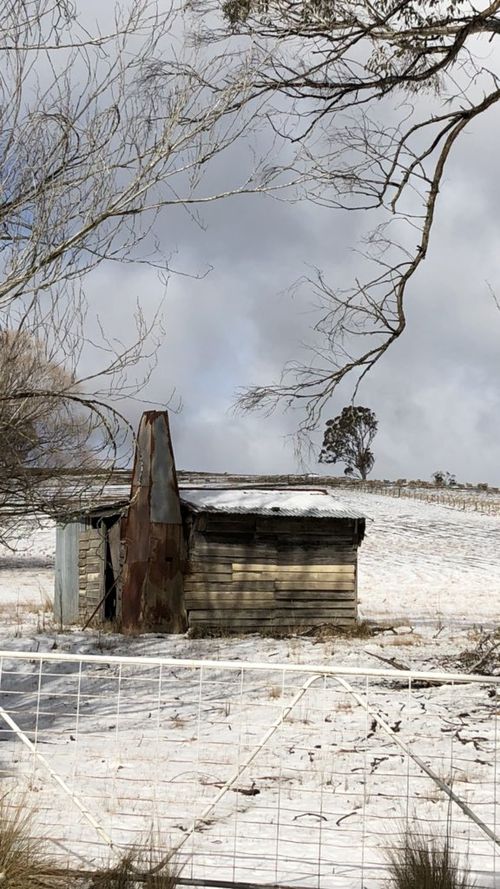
{"points": [[102, 130], [373, 98]]}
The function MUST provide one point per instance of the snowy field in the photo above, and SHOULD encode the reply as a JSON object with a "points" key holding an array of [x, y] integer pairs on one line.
{"points": [[422, 561], [27, 570], [318, 790]]}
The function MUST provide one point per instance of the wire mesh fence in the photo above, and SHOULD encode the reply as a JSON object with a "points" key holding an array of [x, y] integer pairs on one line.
{"points": [[253, 772]]}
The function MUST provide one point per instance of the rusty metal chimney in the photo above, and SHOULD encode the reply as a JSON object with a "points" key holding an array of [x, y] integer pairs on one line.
{"points": [[152, 589]]}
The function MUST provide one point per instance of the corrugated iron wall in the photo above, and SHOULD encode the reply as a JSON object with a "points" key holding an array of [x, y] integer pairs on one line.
{"points": [[152, 589], [67, 579]]}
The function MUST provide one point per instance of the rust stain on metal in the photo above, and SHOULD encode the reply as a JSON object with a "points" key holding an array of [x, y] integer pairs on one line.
{"points": [[152, 593]]}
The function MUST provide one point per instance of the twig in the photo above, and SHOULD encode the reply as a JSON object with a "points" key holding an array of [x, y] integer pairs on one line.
{"points": [[478, 664], [392, 661]]}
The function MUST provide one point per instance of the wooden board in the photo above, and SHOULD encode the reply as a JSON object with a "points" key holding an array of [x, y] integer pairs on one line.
{"points": [[252, 625], [222, 528], [272, 542], [319, 596], [268, 525], [316, 609], [197, 599], [289, 541], [243, 587], [306, 585], [209, 577], [306, 578], [311, 525], [262, 609], [293, 569], [226, 600], [201, 548], [208, 568], [206, 554], [208, 561], [227, 614], [319, 554], [310, 585]]}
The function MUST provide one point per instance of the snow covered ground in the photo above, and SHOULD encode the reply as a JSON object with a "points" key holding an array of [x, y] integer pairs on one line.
{"points": [[27, 568], [422, 561], [313, 802], [329, 788]]}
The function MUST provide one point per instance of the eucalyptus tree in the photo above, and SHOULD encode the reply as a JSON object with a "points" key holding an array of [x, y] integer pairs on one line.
{"points": [[348, 439]]}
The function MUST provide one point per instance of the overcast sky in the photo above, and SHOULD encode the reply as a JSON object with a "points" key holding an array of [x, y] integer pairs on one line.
{"points": [[436, 393]]}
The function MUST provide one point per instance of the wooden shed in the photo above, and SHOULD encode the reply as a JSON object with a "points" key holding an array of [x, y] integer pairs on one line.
{"points": [[157, 555], [269, 558]]}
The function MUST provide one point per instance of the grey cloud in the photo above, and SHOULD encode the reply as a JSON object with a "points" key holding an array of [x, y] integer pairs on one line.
{"points": [[436, 393]]}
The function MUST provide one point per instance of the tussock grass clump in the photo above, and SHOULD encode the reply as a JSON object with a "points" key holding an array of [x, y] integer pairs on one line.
{"points": [[140, 868], [24, 863], [423, 863]]}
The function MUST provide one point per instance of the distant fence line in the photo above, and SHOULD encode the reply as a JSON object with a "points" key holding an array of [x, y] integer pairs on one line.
{"points": [[486, 502], [477, 498]]}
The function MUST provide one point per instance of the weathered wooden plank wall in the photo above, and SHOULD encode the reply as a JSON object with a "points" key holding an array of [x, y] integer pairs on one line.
{"points": [[91, 565], [255, 572]]}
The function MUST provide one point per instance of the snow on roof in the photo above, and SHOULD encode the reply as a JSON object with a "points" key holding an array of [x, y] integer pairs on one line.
{"points": [[307, 503]]}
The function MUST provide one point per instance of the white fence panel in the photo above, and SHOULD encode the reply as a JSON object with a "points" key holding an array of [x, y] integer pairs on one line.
{"points": [[255, 773]]}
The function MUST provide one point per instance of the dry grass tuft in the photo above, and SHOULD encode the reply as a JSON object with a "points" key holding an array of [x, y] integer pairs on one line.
{"points": [[406, 641], [140, 868], [46, 603], [24, 864], [212, 631], [423, 863], [359, 630]]}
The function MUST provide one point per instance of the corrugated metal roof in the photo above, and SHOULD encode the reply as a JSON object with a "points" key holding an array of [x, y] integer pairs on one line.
{"points": [[316, 503], [94, 500], [265, 500]]}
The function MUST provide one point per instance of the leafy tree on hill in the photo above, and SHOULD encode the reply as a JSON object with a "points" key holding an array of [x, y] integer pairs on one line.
{"points": [[442, 478], [348, 439]]}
